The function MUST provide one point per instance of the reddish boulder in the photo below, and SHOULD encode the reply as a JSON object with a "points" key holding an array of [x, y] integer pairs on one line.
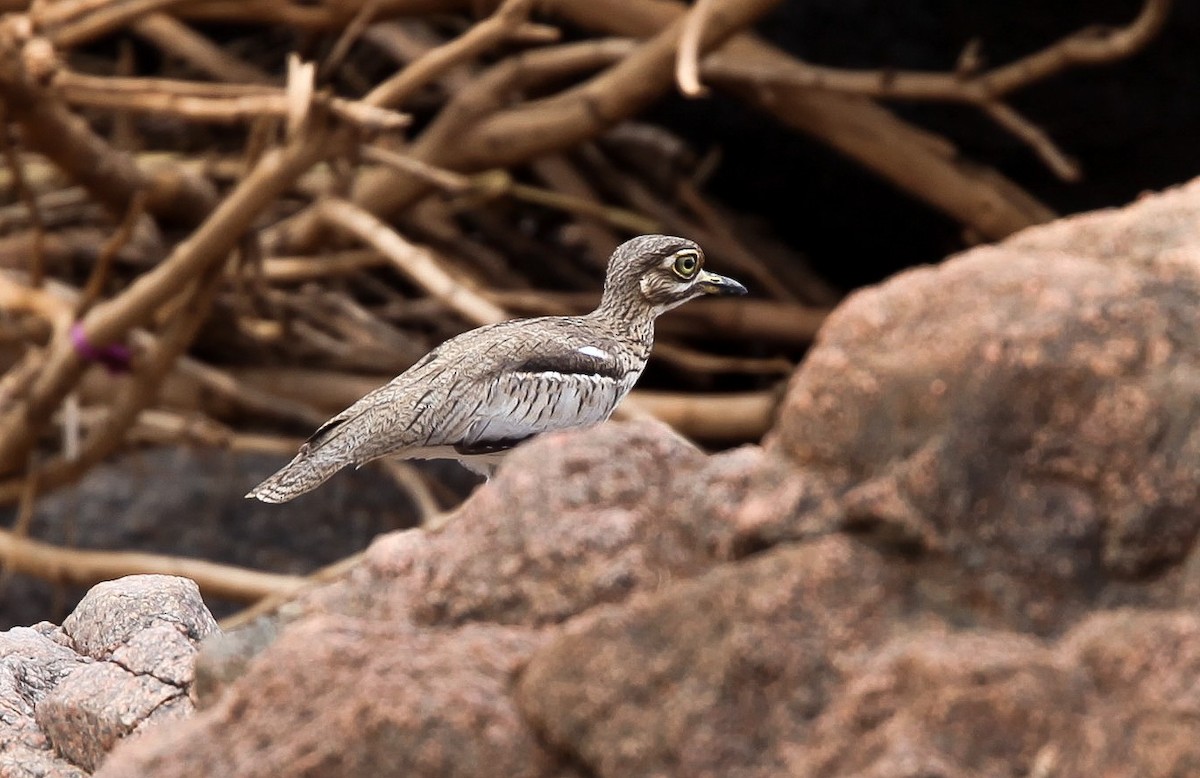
{"points": [[336, 695], [943, 705], [715, 676], [1117, 696], [916, 577], [1030, 419], [569, 523]]}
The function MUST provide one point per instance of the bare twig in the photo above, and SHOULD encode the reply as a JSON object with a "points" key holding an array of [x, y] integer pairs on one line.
{"points": [[176, 39], [48, 127], [539, 126], [84, 568], [917, 161], [687, 61], [497, 183], [1036, 138], [713, 418], [109, 321], [1087, 47], [350, 35], [478, 39], [107, 436], [16, 168], [197, 101], [108, 254], [418, 264]]}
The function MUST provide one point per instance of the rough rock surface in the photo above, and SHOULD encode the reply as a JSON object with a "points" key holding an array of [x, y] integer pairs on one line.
{"points": [[967, 549], [121, 663], [376, 699], [1028, 412]]}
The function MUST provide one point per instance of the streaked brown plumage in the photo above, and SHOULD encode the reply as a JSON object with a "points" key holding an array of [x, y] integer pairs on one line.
{"points": [[481, 393]]}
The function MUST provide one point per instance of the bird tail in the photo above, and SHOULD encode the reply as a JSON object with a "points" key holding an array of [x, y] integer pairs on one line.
{"points": [[303, 474]]}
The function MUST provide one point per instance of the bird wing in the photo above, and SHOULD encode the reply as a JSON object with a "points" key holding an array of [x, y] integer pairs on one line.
{"points": [[548, 384]]}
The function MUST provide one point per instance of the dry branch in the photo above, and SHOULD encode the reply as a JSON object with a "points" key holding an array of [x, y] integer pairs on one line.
{"points": [[913, 159], [49, 127], [84, 568], [479, 38], [111, 320], [535, 174], [203, 102], [176, 39], [418, 264], [476, 133]]}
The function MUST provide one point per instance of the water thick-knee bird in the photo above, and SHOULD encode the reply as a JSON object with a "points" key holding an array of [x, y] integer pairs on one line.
{"points": [[481, 393]]}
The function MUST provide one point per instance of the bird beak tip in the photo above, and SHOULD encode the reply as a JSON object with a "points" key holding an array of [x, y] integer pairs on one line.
{"points": [[722, 285]]}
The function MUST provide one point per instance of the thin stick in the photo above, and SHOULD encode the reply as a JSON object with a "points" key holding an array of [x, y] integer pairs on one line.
{"points": [[176, 39], [48, 127], [1086, 47], [219, 103], [418, 264], [497, 183], [1036, 138], [110, 321], [410, 480], [270, 602], [84, 568], [478, 39], [296, 270], [16, 168], [713, 418], [350, 35], [687, 61], [108, 254]]}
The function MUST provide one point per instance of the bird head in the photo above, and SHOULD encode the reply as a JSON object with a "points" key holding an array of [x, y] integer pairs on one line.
{"points": [[659, 272]]}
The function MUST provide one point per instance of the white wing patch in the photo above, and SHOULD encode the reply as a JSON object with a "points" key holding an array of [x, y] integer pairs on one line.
{"points": [[539, 402], [592, 351]]}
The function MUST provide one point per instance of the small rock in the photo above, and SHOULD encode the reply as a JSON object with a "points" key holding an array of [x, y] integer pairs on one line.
{"points": [[61, 710], [112, 612]]}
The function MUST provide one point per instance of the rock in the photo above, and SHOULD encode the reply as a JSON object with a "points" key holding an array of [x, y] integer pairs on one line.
{"points": [[967, 549], [121, 664], [224, 656], [97, 705], [1030, 415], [336, 695], [571, 521], [714, 676], [31, 666], [1115, 697], [746, 500], [437, 624], [1141, 719], [972, 705], [148, 624]]}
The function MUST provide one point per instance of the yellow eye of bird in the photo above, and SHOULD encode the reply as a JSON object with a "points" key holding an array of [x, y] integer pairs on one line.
{"points": [[686, 264]]}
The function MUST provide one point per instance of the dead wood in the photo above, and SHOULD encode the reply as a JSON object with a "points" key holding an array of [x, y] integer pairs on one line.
{"points": [[250, 246]]}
